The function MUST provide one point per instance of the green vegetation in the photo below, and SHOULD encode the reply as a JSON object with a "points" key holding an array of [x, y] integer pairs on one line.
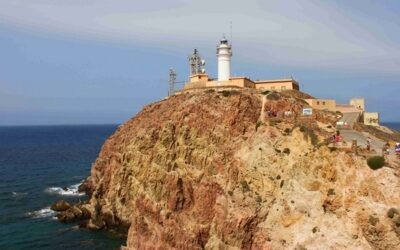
{"points": [[313, 137], [287, 131], [227, 93], [273, 96], [266, 92], [210, 91], [273, 122], [212, 170], [332, 149], [245, 186], [258, 124], [373, 220], [376, 162], [392, 212], [310, 134]]}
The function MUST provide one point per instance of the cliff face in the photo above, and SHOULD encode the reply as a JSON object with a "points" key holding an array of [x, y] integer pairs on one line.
{"points": [[210, 170]]}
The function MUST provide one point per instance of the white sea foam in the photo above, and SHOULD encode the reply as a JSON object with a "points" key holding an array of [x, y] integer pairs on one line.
{"points": [[42, 213], [68, 191], [18, 194]]}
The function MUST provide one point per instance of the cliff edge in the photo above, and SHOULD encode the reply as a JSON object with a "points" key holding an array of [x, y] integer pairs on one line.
{"points": [[239, 170]]}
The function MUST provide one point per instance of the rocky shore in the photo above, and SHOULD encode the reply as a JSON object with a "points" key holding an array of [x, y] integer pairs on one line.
{"points": [[215, 170]]}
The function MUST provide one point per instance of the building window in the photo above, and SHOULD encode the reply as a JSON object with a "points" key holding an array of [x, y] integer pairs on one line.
{"points": [[317, 102], [323, 103]]}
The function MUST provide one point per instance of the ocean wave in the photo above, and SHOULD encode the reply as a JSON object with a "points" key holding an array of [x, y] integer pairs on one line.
{"points": [[18, 194], [67, 191], [42, 213]]}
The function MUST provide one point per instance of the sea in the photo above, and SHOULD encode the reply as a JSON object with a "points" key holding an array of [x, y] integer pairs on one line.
{"points": [[38, 166], [392, 125]]}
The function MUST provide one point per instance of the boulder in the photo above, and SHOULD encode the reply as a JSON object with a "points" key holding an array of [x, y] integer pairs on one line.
{"points": [[66, 216], [60, 206]]}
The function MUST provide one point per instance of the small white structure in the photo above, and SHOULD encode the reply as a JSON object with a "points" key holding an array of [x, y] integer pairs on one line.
{"points": [[224, 54], [371, 118], [307, 111]]}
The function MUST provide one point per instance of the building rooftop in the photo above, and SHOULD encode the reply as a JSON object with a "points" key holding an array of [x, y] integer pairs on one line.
{"points": [[276, 80]]}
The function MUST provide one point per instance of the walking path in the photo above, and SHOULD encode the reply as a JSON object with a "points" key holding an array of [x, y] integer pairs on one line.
{"points": [[349, 119], [349, 135]]}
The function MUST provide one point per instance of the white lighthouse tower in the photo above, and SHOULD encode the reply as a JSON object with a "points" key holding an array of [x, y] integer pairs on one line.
{"points": [[224, 54]]}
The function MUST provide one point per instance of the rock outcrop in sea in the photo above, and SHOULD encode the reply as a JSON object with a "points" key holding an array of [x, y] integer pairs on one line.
{"points": [[212, 170]]}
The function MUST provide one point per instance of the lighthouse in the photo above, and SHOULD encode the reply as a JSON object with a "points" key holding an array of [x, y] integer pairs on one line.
{"points": [[224, 54]]}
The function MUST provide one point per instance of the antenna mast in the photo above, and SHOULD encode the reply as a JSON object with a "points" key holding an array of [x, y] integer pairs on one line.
{"points": [[196, 63], [172, 81], [230, 27]]}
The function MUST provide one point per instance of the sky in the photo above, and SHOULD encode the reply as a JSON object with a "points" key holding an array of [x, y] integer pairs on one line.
{"points": [[101, 61]]}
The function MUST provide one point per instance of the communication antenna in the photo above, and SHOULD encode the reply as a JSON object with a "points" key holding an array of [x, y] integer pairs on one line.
{"points": [[230, 29], [196, 63], [172, 81]]}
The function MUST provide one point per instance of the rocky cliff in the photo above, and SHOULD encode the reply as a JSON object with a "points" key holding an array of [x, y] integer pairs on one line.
{"points": [[229, 170]]}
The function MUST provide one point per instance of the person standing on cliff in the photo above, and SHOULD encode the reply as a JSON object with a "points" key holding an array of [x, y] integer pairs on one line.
{"points": [[369, 143]]}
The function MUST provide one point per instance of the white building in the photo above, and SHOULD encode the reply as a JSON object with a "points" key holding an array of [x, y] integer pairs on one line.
{"points": [[224, 54]]}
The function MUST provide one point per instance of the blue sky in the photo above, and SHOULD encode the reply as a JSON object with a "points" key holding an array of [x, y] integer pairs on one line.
{"points": [[101, 61]]}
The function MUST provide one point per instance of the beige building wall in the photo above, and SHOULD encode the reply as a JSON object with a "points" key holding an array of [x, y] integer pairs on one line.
{"points": [[197, 81], [277, 85], [358, 103], [203, 81], [324, 104], [371, 118], [243, 82], [195, 85], [199, 78], [347, 108]]}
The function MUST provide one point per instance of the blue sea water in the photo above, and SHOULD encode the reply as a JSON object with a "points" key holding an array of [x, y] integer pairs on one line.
{"points": [[392, 125], [36, 163]]}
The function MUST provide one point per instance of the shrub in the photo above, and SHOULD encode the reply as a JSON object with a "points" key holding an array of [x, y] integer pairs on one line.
{"points": [[286, 151], [397, 222], [258, 124], [273, 96], [313, 137], [272, 123], [392, 212], [266, 92], [309, 133], [245, 186], [287, 131], [376, 162], [332, 149], [373, 220], [210, 90], [227, 93]]}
